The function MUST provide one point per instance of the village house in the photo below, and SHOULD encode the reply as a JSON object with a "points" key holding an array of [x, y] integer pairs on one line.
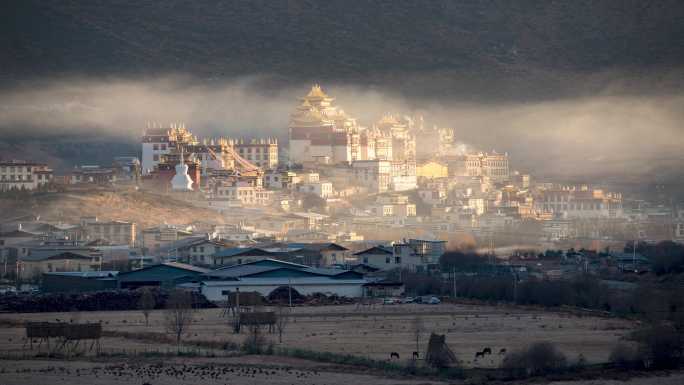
{"points": [[22, 175], [115, 232], [35, 264], [397, 256], [155, 238]]}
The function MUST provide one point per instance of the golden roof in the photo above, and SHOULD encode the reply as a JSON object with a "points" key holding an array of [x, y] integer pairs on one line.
{"points": [[388, 119], [316, 92]]}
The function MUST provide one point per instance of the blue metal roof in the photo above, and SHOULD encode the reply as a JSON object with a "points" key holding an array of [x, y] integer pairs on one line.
{"points": [[235, 251], [86, 274]]}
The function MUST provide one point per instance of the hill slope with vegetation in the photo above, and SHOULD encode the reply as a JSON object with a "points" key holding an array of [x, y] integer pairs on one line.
{"points": [[464, 44]]}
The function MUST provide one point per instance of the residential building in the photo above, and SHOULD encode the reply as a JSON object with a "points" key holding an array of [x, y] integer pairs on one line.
{"points": [[34, 265], [115, 232], [397, 256], [22, 175], [157, 239], [93, 174], [376, 175], [261, 152]]}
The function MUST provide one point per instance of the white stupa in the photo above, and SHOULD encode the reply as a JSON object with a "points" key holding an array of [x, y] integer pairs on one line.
{"points": [[181, 181]]}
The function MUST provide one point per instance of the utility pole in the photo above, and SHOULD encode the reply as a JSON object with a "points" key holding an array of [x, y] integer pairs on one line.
{"points": [[634, 254], [289, 290], [515, 287], [453, 274]]}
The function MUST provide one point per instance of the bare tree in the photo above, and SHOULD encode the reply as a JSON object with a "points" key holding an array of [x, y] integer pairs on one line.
{"points": [[178, 314], [283, 318], [147, 303], [418, 331]]}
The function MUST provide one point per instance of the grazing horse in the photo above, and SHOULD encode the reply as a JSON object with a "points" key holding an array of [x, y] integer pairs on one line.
{"points": [[487, 351], [394, 355], [415, 355], [502, 351], [479, 354]]}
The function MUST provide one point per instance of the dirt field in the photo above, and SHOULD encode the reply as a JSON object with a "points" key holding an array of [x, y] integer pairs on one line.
{"points": [[374, 333], [236, 371]]}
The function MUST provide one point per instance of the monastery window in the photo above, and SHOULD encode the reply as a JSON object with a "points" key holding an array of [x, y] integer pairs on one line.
{"points": [[201, 249], [388, 260], [163, 147], [155, 157], [155, 147], [397, 260]]}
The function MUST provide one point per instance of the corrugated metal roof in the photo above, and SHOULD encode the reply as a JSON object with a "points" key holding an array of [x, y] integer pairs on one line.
{"points": [[286, 281], [86, 274], [42, 255], [233, 251]]}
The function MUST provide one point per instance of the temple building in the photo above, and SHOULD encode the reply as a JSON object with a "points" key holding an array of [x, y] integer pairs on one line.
{"points": [[321, 132], [261, 152], [213, 159], [181, 181], [403, 140], [158, 141]]}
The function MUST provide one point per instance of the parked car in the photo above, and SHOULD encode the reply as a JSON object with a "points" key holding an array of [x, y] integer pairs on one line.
{"points": [[428, 299], [407, 300], [389, 301]]}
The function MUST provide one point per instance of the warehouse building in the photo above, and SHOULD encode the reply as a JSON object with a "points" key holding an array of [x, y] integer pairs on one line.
{"points": [[79, 281], [165, 275], [266, 275]]}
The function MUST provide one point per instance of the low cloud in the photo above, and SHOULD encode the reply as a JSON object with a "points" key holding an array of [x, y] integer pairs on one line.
{"points": [[586, 135]]}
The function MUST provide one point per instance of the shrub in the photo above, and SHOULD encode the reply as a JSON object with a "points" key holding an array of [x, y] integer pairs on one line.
{"points": [[537, 359], [661, 346], [626, 357], [255, 342]]}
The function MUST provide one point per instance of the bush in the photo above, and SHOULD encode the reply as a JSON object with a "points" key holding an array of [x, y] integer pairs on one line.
{"points": [[538, 359], [256, 342], [660, 345], [626, 357]]}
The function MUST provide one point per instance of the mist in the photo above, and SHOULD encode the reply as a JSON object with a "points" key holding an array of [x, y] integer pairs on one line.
{"points": [[589, 135]]}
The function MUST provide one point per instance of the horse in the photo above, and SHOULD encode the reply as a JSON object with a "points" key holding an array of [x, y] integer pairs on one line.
{"points": [[479, 354], [415, 355], [502, 351], [487, 351], [394, 355]]}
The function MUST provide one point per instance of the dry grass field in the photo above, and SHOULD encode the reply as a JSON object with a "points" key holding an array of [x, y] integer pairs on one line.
{"points": [[372, 333]]}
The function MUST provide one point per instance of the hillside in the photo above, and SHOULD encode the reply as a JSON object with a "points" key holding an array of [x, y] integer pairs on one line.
{"points": [[466, 45], [142, 208]]}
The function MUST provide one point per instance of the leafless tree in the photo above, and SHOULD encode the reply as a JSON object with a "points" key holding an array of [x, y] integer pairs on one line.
{"points": [[418, 331], [147, 303], [178, 314], [283, 318]]}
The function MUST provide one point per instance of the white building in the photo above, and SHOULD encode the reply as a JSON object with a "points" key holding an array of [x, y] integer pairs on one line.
{"points": [[158, 141], [261, 152], [21, 175], [244, 193], [397, 256], [373, 174], [321, 189]]}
